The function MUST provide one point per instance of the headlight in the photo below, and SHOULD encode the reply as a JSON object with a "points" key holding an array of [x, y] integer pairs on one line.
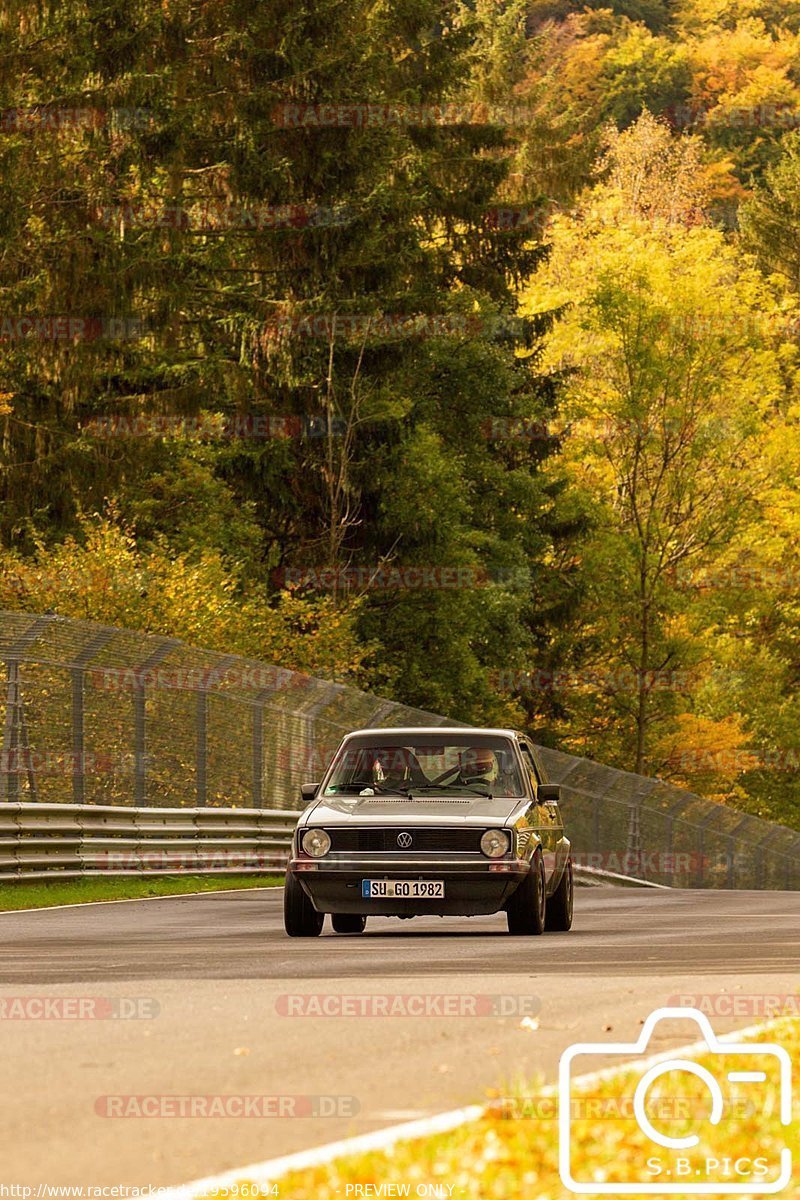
{"points": [[495, 843], [316, 842]]}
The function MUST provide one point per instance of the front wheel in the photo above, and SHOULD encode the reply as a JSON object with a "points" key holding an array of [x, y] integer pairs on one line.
{"points": [[559, 906], [525, 910], [348, 923], [300, 918]]}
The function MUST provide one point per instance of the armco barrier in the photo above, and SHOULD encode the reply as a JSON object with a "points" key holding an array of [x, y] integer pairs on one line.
{"points": [[120, 721], [69, 841]]}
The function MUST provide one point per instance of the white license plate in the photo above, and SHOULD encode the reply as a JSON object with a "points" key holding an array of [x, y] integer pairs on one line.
{"points": [[402, 889]]}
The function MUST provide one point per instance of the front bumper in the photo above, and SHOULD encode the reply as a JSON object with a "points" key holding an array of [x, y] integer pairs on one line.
{"points": [[472, 887]]}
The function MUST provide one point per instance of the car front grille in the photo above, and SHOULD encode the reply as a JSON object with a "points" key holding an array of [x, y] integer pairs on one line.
{"points": [[423, 840]]}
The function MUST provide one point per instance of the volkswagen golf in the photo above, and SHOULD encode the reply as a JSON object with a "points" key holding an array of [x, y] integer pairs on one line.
{"points": [[441, 821]]}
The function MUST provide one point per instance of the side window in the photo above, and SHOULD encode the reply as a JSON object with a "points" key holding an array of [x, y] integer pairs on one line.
{"points": [[530, 766]]}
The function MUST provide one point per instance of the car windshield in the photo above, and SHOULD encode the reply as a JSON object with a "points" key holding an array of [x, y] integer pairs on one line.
{"points": [[424, 765]]}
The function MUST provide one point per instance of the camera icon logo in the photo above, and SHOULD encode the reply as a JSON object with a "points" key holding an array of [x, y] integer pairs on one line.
{"points": [[675, 1112]]}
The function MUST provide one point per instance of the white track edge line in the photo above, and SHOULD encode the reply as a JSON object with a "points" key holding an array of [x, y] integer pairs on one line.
{"points": [[381, 1139], [270, 887], [10, 912]]}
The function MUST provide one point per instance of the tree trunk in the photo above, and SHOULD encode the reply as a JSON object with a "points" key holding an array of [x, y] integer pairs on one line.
{"points": [[644, 665]]}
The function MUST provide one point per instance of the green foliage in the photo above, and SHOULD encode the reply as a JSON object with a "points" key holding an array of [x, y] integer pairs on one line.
{"points": [[770, 220], [642, 71], [136, 219], [640, 120]]}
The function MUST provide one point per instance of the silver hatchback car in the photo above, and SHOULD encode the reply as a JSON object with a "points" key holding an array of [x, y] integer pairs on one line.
{"points": [[441, 821]]}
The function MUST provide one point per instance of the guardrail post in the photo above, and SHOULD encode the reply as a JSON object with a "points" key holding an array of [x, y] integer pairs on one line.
{"points": [[15, 740], [78, 673], [140, 718], [760, 856], [633, 850], [201, 752], [15, 733], [669, 836], [733, 839], [78, 764], [201, 729], [139, 747], [9, 777], [701, 847], [257, 756], [701, 855], [731, 863]]}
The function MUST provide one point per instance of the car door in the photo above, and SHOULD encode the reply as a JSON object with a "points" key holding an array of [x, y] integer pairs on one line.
{"points": [[544, 816]]}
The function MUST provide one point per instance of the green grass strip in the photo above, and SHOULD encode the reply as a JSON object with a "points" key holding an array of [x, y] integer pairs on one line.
{"points": [[48, 893]]}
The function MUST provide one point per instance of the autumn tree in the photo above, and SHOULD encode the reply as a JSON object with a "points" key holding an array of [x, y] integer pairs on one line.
{"points": [[672, 379]]}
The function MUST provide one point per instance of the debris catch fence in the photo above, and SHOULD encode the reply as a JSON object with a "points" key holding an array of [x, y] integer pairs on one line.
{"points": [[97, 716]]}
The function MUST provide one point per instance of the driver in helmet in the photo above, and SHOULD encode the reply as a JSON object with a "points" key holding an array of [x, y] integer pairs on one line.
{"points": [[477, 765]]}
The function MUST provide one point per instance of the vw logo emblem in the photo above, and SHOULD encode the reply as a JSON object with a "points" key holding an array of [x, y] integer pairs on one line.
{"points": [[404, 840]]}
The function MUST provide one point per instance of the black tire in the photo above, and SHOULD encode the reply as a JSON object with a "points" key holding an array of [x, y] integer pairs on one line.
{"points": [[300, 918], [559, 905], [348, 922], [526, 909]]}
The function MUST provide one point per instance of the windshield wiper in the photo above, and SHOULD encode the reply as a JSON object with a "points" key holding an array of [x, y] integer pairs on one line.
{"points": [[444, 787]]}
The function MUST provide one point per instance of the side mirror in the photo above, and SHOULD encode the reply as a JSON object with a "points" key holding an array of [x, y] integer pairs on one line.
{"points": [[549, 793], [308, 791]]}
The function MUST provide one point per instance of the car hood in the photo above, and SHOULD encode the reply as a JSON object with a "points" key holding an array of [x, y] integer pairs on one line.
{"points": [[428, 810]]}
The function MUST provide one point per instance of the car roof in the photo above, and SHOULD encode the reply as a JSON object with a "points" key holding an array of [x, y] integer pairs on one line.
{"points": [[446, 730]]}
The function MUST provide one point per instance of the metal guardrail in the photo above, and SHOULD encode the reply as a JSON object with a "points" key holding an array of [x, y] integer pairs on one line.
{"points": [[632, 825], [68, 841], [113, 718], [594, 877]]}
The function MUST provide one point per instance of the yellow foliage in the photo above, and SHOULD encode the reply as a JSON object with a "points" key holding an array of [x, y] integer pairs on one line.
{"points": [[705, 755], [106, 578]]}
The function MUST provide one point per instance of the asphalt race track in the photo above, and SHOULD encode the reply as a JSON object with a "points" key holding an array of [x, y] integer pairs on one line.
{"points": [[213, 979]]}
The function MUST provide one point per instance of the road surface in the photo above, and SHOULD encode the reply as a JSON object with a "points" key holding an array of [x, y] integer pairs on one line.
{"points": [[214, 979]]}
